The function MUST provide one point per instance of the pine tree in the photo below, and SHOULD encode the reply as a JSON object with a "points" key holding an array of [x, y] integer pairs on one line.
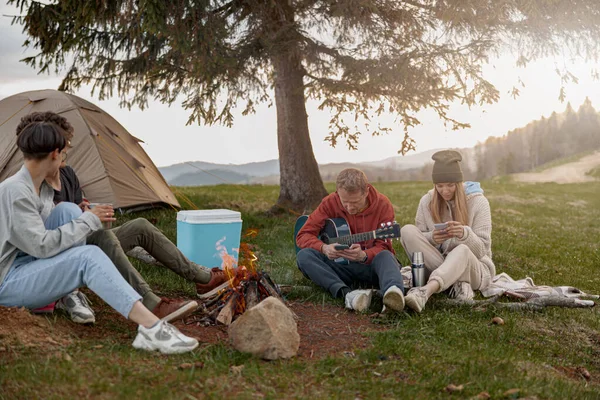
{"points": [[358, 58]]}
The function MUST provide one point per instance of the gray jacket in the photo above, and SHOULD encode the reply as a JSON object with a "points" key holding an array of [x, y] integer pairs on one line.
{"points": [[22, 216]]}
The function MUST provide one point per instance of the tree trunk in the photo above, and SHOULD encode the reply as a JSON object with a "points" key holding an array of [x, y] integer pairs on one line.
{"points": [[302, 188]]}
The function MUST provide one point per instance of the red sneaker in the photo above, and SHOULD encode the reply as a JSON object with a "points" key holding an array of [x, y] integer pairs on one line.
{"points": [[49, 309], [169, 310], [218, 280]]}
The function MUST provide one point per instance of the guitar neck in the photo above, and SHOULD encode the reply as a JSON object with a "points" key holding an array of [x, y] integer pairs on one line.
{"points": [[356, 238]]}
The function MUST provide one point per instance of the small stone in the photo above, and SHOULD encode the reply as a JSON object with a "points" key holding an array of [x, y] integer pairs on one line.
{"points": [[67, 357], [584, 372], [185, 366], [483, 396], [497, 321], [51, 341], [236, 370], [512, 392], [451, 388]]}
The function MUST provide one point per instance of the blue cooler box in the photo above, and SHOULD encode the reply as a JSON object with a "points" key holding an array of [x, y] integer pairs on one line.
{"points": [[199, 231]]}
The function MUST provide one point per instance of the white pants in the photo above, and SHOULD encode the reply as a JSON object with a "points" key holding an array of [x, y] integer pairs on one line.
{"points": [[459, 265]]}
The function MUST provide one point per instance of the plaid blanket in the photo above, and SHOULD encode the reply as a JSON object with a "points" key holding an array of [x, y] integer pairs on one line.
{"points": [[522, 289], [526, 289]]}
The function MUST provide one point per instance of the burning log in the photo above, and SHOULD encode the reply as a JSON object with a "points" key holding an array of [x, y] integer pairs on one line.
{"points": [[244, 288], [226, 315], [266, 282], [241, 293], [251, 294]]}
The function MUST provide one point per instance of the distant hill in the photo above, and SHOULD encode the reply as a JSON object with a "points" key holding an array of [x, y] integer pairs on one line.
{"points": [[410, 161], [256, 169], [198, 173], [213, 177], [523, 149]]}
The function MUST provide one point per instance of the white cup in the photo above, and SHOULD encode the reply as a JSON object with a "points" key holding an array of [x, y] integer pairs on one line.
{"points": [[105, 224]]}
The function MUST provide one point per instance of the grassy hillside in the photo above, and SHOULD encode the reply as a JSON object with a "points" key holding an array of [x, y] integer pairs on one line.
{"points": [[562, 161], [546, 231]]}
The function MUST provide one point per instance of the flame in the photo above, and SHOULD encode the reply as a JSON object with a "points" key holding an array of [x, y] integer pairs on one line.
{"points": [[251, 233], [236, 274]]}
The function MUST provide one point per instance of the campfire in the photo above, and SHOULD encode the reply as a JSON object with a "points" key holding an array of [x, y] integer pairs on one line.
{"points": [[245, 288]]}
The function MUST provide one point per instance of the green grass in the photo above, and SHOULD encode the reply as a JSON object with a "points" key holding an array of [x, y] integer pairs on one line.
{"points": [[546, 231]]}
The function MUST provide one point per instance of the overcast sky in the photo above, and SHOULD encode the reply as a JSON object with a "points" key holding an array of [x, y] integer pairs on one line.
{"points": [[254, 138]]}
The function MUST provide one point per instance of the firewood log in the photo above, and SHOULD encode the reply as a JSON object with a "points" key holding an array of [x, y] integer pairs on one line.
{"points": [[251, 295], [226, 315]]}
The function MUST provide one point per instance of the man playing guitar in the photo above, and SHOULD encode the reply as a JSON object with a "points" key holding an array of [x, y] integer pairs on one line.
{"points": [[371, 264]]}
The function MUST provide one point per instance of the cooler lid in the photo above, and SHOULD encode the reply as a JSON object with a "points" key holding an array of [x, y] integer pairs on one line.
{"points": [[218, 216]]}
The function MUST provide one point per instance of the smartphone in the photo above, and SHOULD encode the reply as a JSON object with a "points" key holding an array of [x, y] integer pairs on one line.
{"points": [[439, 227], [341, 247]]}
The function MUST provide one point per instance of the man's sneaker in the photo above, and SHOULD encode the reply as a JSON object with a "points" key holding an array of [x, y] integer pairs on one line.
{"points": [[416, 299], [49, 309], [358, 300], [169, 310], [218, 280], [461, 291], [165, 338], [393, 299], [77, 305]]}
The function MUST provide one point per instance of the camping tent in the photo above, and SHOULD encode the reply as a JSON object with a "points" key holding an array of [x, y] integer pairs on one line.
{"points": [[110, 163]]}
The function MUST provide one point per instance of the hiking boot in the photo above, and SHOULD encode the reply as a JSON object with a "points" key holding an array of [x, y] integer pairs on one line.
{"points": [[49, 309], [218, 278], [169, 310], [416, 299], [461, 291], [165, 338], [77, 306], [394, 299], [358, 300]]}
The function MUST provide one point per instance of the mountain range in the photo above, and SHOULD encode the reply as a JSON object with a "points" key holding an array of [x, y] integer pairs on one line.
{"points": [[199, 173], [537, 145]]}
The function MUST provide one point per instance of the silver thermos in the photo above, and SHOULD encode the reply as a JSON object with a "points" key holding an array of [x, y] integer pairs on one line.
{"points": [[418, 269]]}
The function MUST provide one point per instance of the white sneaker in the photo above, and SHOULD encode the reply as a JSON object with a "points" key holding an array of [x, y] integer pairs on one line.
{"points": [[416, 299], [359, 300], [165, 338], [461, 291], [77, 305], [393, 299]]}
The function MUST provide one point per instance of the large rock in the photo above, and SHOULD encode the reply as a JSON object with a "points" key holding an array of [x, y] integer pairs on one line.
{"points": [[267, 330]]}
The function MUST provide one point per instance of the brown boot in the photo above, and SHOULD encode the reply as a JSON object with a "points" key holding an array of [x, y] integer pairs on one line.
{"points": [[170, 310], [218, 277]]}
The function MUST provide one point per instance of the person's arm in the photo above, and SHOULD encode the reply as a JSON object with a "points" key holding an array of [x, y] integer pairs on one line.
{"points": [[477, 237], [29, 234], [422, 213], [308, 236]]}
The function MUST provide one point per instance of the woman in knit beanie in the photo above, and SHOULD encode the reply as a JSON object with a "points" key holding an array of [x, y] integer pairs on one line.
{"points": [[457, 255]]}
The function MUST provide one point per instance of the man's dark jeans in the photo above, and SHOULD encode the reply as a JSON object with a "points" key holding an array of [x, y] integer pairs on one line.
{"points": [[383, 272]]}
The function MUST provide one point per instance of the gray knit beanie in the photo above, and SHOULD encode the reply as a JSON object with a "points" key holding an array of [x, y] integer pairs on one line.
{"points": [[446, 167]]}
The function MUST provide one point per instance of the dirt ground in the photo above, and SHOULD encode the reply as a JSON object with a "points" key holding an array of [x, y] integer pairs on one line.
{"points": [[574, 172], [324, 330]]}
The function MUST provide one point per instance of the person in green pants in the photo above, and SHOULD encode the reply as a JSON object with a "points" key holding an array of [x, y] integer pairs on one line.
{"points": [[118, 241]]}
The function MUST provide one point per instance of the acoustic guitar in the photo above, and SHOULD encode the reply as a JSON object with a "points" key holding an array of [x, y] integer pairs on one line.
{"points": [[337, 230]]}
